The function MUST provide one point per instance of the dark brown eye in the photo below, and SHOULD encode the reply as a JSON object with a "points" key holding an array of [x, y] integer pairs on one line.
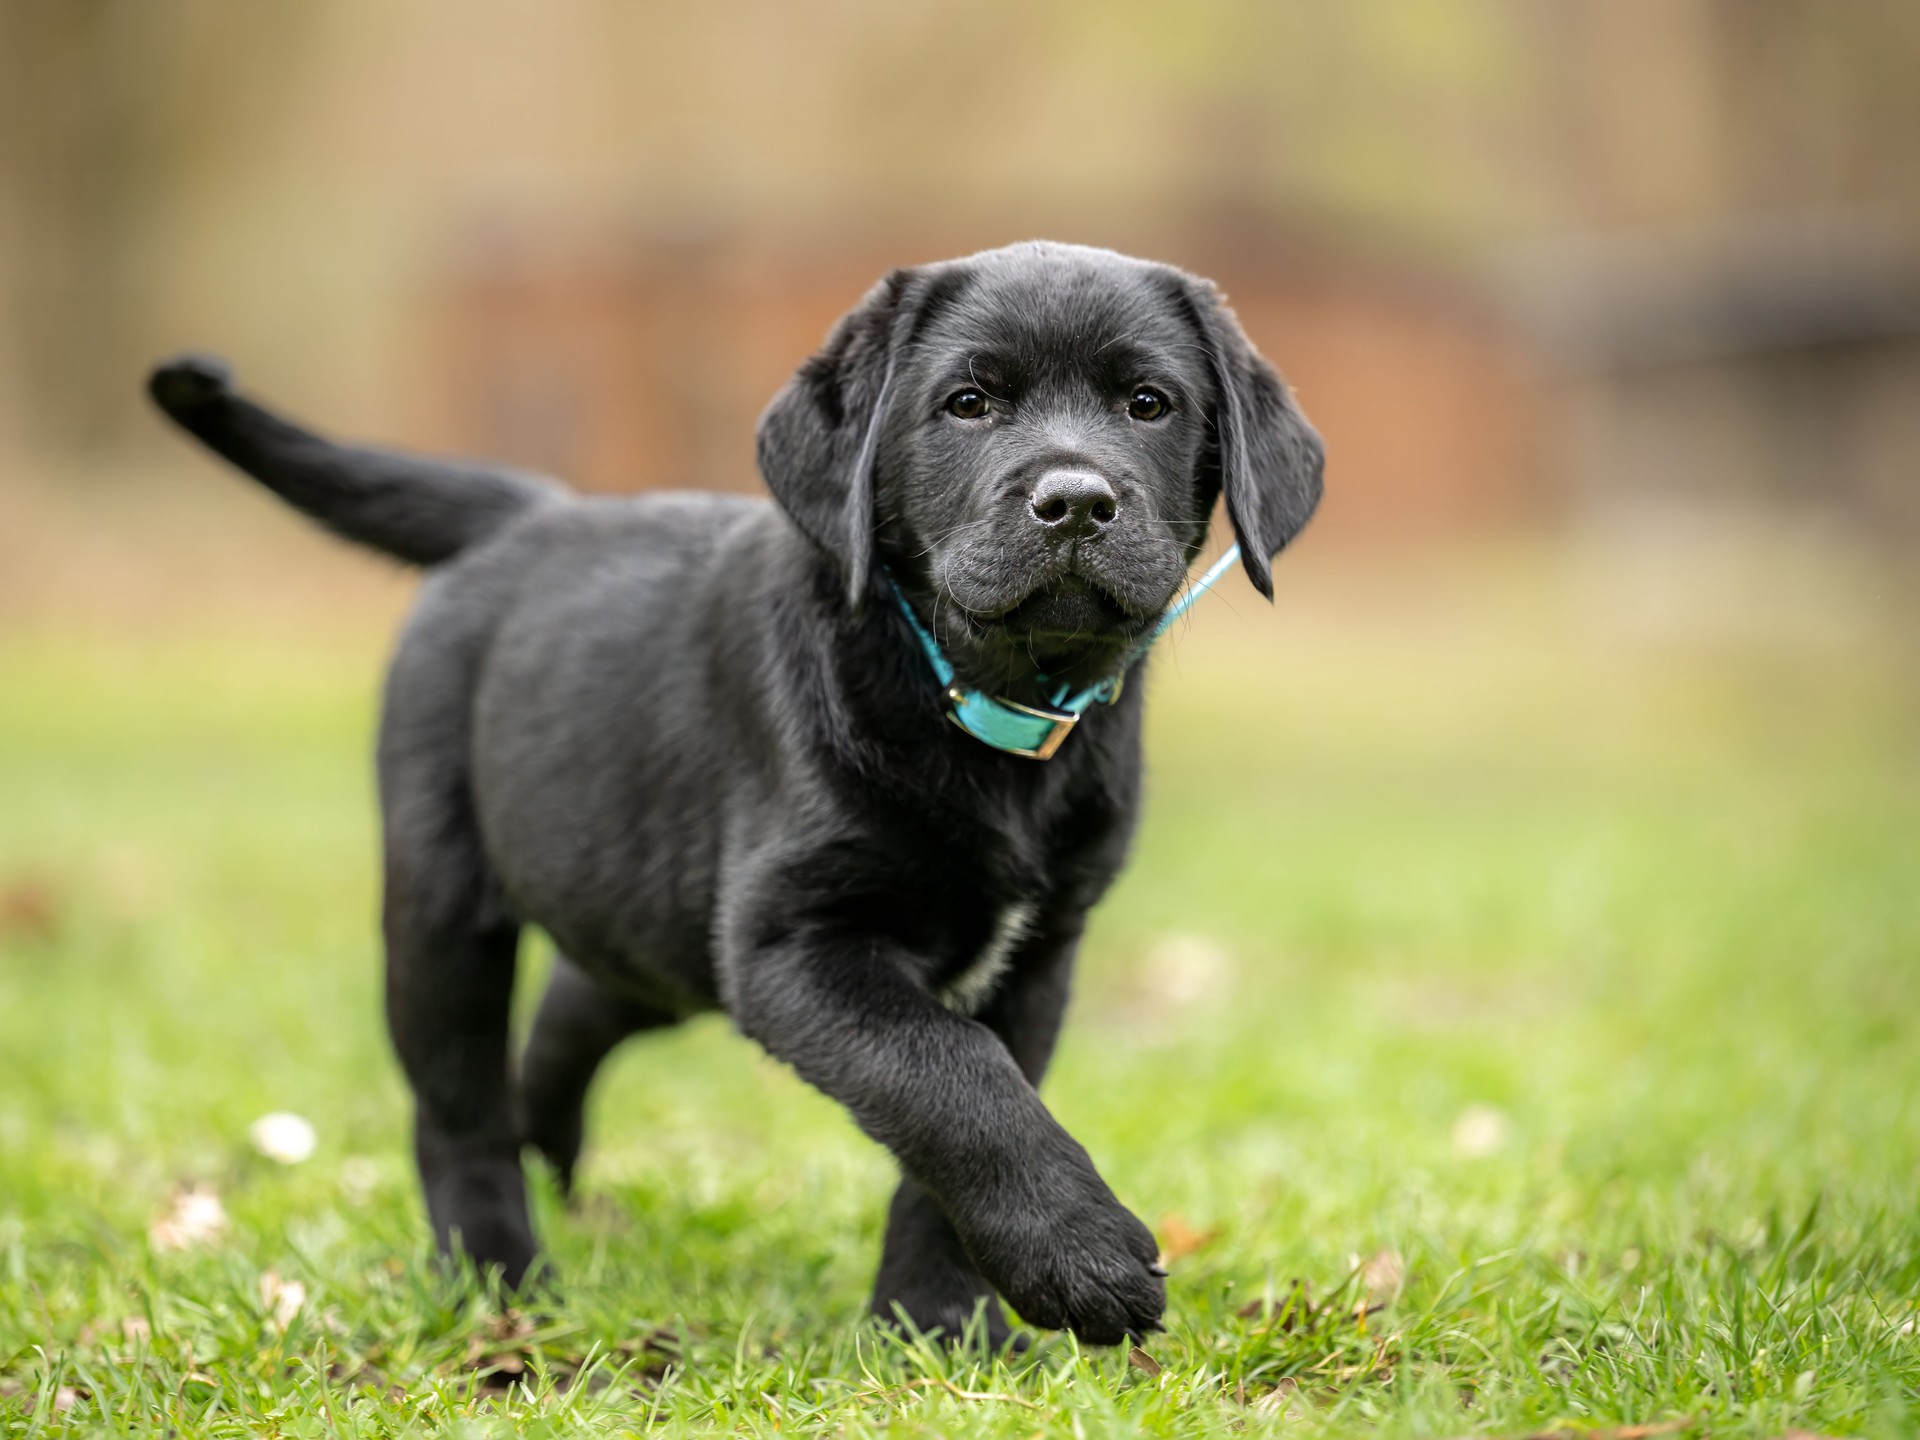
{"points": [[967, 404], [1147, 404]]}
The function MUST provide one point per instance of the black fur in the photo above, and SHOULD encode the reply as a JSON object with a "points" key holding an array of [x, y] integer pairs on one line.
{"points": [[693, 739]]}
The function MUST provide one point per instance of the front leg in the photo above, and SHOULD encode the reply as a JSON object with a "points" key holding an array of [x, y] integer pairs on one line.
{"points": [[924, 1269], [945, 1095]]}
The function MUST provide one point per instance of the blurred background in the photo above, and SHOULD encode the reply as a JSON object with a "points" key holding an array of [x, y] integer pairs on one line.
{"points": [[1530, 267]]}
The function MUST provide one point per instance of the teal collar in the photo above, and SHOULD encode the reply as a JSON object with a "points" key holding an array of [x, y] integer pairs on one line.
{"points": [[1037, 731]]}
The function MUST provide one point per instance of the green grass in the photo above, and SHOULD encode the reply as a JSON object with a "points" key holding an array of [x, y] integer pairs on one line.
{"points": [[1545, 1007]]}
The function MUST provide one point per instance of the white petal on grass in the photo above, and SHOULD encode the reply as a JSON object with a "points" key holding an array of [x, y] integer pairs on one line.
{"points": [[282, 1136], [194, 1217], [1480, 1131], [282, 1297]]}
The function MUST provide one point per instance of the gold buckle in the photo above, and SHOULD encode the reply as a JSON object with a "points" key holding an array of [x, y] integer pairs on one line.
{"points": [[1056, 737]]}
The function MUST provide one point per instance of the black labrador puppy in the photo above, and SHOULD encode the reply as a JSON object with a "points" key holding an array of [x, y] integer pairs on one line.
{"points": [[697, 740]]}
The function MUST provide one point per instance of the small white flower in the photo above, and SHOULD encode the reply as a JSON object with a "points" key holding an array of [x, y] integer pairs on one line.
{"points": [[1480, 1131], [282, 1136], [195, 1217]]}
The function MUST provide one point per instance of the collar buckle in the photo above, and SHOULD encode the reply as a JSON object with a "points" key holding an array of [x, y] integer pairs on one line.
{"points": [[1029, 731]]}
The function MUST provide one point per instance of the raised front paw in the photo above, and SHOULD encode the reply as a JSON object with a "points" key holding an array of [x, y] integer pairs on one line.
{"points": [[1072, 1257]]}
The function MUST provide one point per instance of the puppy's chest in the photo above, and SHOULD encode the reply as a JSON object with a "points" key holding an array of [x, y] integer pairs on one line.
{"points": [[996, 880], [979, 974]]}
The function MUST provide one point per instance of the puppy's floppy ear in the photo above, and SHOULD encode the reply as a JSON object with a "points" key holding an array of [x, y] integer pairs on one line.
{"points": [[819, 440], [1270, 458]]}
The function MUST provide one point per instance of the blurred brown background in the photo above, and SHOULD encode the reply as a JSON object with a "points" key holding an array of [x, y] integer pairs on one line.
{"points": [[1593, 266]]}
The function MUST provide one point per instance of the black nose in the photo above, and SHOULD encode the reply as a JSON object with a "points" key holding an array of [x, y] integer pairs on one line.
{"points": [[1073, 503]]}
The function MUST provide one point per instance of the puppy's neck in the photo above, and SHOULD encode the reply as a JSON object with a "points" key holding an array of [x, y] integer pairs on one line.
{"points": [[1028, 669]]}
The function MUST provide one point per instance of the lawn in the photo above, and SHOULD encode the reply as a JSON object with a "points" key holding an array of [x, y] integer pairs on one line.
{"points": [[1510, 1022]]}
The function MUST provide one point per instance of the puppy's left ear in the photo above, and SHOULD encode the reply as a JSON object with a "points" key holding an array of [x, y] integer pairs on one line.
{"points": [[1270, 458], [819, 440]]}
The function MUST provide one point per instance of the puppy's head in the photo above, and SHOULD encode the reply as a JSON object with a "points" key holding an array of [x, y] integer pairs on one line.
{"points": [[1031, 440]]}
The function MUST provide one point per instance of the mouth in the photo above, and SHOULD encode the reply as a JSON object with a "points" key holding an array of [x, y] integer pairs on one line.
{"points": [[1070, 625], [1070, 607]]}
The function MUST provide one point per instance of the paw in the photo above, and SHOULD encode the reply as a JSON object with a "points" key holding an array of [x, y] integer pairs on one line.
{"points": [[496, 1244], [950, 1317], [188, 381], [1082, 1263], [477, 1201]]}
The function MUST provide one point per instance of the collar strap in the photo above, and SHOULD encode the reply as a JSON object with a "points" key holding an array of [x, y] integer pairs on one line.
{"points": [[1037, 731]]}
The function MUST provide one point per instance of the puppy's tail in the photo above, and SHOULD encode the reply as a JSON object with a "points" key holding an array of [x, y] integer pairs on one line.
{"points": [[420, 510]]}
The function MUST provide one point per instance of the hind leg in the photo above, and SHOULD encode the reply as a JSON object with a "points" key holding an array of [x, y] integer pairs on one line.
{"points": [[451, 950], [448, 994], [578, 1025]]}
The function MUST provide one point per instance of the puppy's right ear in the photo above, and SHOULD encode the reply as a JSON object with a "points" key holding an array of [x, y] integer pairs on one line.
{"points": [[819, 440]]}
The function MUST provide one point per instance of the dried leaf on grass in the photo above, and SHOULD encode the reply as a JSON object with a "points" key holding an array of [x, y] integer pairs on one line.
{"points": [[29, 908], [1384, 1275], [1283, 1402], [1141, 1360], [363, 1375], [501, 1350], [1178, 1239]]}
